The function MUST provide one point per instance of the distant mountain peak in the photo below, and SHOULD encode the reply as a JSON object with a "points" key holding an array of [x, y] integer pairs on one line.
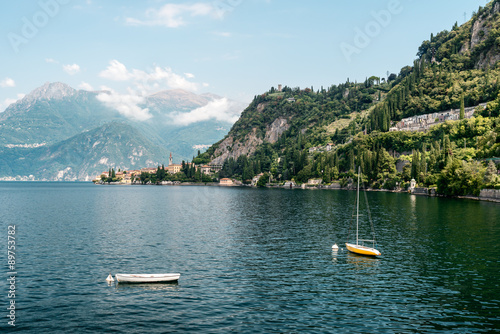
{"points": [[173, 94], [51, 91], [178, 99]]}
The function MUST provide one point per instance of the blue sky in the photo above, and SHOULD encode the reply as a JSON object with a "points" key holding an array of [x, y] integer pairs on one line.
{"points": [[233, 48]]}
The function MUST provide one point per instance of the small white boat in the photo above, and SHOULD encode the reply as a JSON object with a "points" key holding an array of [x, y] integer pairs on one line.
{"points": [[146, 278]]}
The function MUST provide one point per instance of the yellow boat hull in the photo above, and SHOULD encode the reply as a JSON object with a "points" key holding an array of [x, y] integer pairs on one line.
{"points": [[362, 250]]}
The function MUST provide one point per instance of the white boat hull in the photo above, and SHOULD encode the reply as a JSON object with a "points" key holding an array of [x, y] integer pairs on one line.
{"points": [[362, 250], [147, 278]]}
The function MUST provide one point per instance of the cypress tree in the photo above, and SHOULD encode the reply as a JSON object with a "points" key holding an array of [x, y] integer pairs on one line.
{"points": [[462, 107], [423, 165], [447, 153], [415, 165]]}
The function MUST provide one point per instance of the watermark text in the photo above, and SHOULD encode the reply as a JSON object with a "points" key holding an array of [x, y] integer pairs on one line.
{"points": [[31, 26], [11, 275], [364, 36]]}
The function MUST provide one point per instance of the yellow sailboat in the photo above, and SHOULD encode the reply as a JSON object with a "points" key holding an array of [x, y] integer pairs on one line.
{"points": [[361, 248]]}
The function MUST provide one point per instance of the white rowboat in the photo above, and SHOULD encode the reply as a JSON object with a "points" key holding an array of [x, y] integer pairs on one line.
{"points": [[146, 278]]}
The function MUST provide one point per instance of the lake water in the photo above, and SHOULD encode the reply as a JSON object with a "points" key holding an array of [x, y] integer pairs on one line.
{"points": [[251, 261]]}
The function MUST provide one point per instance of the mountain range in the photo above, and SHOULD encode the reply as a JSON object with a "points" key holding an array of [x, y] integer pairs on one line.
{"points": [[60, 133]]}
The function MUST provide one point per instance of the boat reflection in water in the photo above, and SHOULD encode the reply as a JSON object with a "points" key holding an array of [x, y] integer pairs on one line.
{"points": [[361, 260], [173, 286]]}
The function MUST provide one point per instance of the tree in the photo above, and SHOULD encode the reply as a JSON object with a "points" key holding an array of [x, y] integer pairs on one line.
{"points": [[490, 176], [462, 107], [247, 174], [197, 175], [447, 152], [415, 165], [422, 166], [460, 178], [144, 177], [261, 183]]}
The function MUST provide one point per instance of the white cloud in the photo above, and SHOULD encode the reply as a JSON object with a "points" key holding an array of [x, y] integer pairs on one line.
{"points": [[85, 86], [71, 69], [174, 15], [142, 83], [115, 71], [148, 82], [125, 104], [7, 82], [51, 61], [220, 110]]}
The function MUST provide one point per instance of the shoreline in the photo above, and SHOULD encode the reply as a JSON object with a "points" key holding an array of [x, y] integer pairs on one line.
{"points": [[428, 192]]}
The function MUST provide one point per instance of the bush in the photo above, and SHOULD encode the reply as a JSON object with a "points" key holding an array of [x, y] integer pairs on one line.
{"points": [[460, 178], [390, 184]]}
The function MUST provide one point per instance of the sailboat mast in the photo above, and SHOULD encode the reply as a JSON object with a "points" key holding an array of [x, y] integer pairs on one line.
{"points": [[357, 208]]}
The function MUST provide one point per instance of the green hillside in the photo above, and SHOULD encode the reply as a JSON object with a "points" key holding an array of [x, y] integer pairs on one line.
{"points": [[285, 133]]}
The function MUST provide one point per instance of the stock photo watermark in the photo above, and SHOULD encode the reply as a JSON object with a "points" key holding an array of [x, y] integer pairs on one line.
{"points": [[32, 25], [11, 274], [373, 28]]}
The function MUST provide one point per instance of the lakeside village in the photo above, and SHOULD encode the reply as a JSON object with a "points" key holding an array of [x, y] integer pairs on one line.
{"points": [[174, 174], [191, 174]]}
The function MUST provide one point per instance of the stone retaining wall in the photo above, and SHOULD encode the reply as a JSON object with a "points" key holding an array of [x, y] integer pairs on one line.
{"points": [[490, 194]]}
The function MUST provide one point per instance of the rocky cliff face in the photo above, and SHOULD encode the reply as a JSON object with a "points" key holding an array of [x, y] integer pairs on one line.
{"points": [[478, 38], [276, 129], [481, 30], [229, 148]]}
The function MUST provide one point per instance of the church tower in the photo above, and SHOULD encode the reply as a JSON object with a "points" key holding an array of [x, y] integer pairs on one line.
{"points": [[170, 162]]}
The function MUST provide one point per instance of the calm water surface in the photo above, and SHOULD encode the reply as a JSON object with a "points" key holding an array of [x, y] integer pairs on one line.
{"points": [[251, 261]]}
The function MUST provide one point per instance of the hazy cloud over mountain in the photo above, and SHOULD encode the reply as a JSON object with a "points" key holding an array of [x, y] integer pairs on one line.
{"points": [[218, 109], [125, 104], [142, 84]]}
